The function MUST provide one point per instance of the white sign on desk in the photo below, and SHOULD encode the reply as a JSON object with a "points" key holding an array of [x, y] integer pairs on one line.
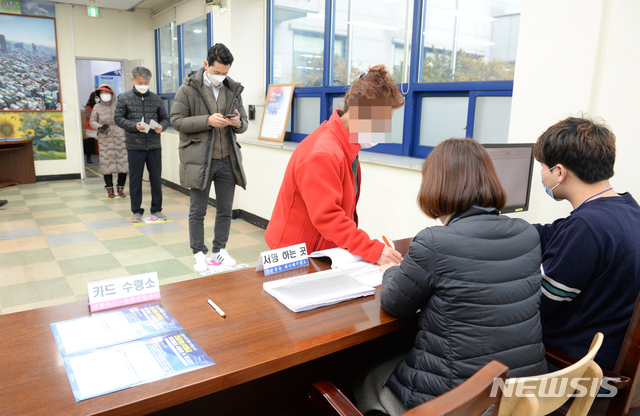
{"points": [[282, 259], [122, 291]]}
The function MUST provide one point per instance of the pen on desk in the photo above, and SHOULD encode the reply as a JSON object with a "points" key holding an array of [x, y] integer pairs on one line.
{"points": [[216, 308]]}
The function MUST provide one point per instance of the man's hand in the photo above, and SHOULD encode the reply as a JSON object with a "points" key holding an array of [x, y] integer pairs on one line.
{"points": [[158, 129], [389, 256], [139, 126], [217, 120], [235, 121]]}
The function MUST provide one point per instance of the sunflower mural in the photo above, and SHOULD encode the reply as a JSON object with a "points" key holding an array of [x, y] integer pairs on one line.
{"points": [[45, 129]]}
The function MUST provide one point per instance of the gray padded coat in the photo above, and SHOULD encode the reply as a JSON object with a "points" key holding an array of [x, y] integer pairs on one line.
{"points": [[476, 283], [113, 149]]}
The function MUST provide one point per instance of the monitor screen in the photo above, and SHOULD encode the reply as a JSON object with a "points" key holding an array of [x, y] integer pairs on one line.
{"points": [[514, 165]]}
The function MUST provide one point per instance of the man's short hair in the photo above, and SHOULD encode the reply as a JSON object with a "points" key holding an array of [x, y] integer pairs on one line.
{"points": [[584, 146], [141, 71], [457, 174], [220, 53]]}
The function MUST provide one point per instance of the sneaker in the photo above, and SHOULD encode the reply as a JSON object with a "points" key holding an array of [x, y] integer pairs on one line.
{"points": [[158, 216], [223, 258], [3, 202], [200, 262], [110, 193], [137, 217]]}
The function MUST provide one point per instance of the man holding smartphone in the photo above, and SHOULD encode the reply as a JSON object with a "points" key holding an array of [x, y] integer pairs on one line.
{"points": [[208, 112]]}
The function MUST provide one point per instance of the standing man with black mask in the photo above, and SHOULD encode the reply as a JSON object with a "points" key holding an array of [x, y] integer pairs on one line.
{"points": [[208, 112]]}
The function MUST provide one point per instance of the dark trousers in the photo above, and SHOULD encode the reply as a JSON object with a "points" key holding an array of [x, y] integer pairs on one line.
{"points": [[108, 179], [137, 161], [221, 174]]}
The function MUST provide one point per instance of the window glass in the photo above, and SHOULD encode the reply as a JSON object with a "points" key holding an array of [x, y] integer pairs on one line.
{"points": [[491, 119], [442, 118], [373, 30], [298, 42], [307, 114], [470, 40], [168, 39], [194, 39]]}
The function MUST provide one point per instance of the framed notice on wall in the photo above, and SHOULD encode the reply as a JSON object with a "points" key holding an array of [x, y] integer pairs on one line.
{"points": [[276, 112]]}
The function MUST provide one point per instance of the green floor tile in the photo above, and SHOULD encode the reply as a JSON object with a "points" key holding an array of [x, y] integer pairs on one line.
{"points": [[258, 235], [88, 264], [15, 217], [67, 219], [39, 195], [48, 207], [10, 192], [165, 268], [247, 254], [33, 292], [131, 243], [83, 197], [178, 249], [91, 210], [22, 258], [13, 203]]}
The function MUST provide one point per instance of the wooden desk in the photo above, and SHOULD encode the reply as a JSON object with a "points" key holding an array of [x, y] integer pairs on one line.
{"points": [[16, 163], [259, 337]]}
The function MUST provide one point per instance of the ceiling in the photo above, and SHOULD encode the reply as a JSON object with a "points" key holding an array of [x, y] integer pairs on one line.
{"points": [[153, 5]]}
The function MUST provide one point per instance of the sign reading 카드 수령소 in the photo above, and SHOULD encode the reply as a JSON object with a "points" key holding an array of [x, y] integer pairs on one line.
{"points": [[127, 290], [282, 259]]}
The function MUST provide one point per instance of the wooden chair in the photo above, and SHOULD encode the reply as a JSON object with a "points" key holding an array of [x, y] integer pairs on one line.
{"points": [[471, 398], [625, 374], [537, 404]]}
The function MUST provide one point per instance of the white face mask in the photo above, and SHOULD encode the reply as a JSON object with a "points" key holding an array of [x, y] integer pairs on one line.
{"points": [[141, 88], [216, 80], [106, 97]]}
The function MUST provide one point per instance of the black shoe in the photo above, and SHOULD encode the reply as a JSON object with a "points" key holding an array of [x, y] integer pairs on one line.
{"points": [[3, 202]]}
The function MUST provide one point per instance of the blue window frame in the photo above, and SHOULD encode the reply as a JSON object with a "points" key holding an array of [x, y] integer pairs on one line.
{"points": [[415, 90], [168, 68]]}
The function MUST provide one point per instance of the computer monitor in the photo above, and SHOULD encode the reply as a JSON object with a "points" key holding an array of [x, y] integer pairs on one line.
{"points": [[514, 166]]}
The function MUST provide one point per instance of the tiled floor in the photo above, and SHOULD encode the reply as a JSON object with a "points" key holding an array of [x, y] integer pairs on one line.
{"points": [[57, 236]]}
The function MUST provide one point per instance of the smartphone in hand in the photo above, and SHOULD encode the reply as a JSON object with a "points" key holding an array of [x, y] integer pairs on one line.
{"points": [[229, 115]]}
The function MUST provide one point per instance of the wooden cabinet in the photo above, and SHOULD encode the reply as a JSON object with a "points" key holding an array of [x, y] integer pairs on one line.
{"points": [[16, 163]]}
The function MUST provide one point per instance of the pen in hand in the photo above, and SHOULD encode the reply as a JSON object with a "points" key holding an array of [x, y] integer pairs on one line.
{"points": [[216, 308], [386, 241]]}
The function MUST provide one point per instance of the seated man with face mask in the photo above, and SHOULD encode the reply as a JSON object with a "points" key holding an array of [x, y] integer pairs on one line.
{"points": [[317, 201], [590, 259]]}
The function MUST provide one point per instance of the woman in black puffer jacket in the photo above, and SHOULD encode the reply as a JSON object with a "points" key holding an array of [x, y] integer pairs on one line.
{"points": [[474, 282]]}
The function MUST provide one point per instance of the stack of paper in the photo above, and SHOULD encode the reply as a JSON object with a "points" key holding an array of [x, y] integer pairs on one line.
{"points": [[302, 293], [363, 271]]}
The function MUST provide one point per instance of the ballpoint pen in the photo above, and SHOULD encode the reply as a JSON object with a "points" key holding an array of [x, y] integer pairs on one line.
{"points": [[386, 241], [216, 308]]}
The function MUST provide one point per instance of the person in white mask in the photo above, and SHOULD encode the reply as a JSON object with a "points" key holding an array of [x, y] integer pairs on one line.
{"points": [[317, 201], [208, 112], [591, 258], [111, 141], [136, 109]]}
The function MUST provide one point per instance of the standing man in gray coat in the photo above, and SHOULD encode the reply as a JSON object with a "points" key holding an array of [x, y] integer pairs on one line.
{"points": [[208, 112], [134, 107]]}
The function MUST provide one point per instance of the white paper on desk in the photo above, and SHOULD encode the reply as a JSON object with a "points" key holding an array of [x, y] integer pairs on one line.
{"points": [[339, 257], [314, 290], [368, 274]]}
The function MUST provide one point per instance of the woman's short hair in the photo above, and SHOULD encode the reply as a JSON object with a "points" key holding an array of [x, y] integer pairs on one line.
{"points": [[377, 83], [584, 146], [457, 174]]}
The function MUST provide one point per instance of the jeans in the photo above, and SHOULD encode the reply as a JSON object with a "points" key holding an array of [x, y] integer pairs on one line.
{"points": [[137, 160], [221, 174]]}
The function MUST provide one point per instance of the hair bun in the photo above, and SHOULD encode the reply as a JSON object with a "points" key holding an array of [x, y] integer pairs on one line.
{"points": [[379, 70]]}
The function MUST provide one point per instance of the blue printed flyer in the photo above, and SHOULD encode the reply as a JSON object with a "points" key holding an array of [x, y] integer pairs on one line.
{"points": [[116, 350]]}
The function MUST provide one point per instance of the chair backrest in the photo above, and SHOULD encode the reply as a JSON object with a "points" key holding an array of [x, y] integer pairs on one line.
{"points": [[628, 365], [541, 395], [471, 398]]}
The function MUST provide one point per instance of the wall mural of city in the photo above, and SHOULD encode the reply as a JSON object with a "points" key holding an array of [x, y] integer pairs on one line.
{"points": [[29, 81]]}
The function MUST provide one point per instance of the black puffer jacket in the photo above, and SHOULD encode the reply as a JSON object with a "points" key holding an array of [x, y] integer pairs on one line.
{"points": [[132, 106], [477, 284]]}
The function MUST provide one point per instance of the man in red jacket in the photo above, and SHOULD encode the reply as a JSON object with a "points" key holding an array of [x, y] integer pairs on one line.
{"points": [[317, 201]]}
